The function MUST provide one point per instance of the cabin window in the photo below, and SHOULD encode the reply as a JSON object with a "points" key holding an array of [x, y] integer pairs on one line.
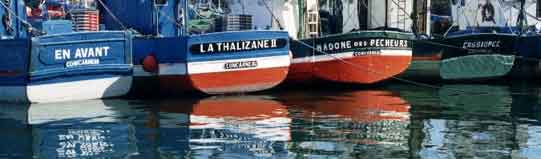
{"points": [[313, 24], [160, 2], [331, 17], [207, 16]]}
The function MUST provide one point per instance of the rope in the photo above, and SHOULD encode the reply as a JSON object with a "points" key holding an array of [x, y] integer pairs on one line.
{"points": [[401, 8], [272, 15], [394, 77], [397, 78], [169, 18], [113, 15], [373, 71], [370, 13], [25, 23]]}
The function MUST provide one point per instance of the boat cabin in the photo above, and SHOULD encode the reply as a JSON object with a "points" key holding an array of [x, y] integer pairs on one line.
{"points": [[314, 18], [203, 44]]}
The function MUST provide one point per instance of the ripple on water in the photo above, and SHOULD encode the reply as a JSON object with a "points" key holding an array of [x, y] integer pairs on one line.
{"points": [[399, 121]]}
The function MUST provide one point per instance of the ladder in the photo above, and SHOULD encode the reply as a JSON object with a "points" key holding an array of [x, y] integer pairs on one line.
{"points": [[312, 19]]}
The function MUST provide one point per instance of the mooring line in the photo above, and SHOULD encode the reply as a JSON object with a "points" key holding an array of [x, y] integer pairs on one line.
{"points": [[402, 79]]}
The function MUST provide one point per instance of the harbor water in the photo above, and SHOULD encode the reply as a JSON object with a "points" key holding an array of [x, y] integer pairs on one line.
{"points": [[390, 121]]}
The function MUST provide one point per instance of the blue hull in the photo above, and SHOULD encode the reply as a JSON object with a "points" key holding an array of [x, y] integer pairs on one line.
{"points": [[174, 55], [45, 68]]}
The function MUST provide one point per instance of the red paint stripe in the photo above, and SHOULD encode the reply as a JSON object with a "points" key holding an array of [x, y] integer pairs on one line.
{"points": [[226, 82], [255, 109], [436, 57], [9, 73], [300, 72], [367, 69], [362, 106]]}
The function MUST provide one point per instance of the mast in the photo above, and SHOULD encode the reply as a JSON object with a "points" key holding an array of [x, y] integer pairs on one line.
{"points": [[386, 14], [186, 28], [301, 6], [427, 6], [415, 18], [521, 16]]}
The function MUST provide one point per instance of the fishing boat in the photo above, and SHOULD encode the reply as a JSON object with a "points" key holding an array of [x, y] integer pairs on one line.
{"points": [[487, 40], [360, 42], [56, 51], [207, 46]]}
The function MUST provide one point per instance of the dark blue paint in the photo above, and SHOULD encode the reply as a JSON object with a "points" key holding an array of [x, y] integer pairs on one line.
{"points": [[525, 43], [162, 33], [232, 36], [473, 30], [31, 60], [15, 56]]}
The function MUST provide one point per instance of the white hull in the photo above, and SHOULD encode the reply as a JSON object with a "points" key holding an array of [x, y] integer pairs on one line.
{"points": [[68, 91], [213, 66]]}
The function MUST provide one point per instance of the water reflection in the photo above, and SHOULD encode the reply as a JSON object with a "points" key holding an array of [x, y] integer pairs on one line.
{"points": [[246, 127], [473, 121], [15, 135], [400, 121], [371, 124]]}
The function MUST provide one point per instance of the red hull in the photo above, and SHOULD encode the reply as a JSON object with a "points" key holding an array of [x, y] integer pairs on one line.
{"points": [[225, 82], [242, 108], [358, 70], [360, 106], [301, 72]]}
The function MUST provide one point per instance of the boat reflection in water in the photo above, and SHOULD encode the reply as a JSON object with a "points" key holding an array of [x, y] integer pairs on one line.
{"points": [[474, 121], [16, 136], [233, 127], [371, 124], [454, 121], [86, 129]]}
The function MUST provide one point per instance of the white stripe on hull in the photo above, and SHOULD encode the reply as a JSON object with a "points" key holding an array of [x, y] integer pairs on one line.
{"points": [[173, 69], [164, 69], [213, 66], [218, 66], [79, 90], [347, 55]]}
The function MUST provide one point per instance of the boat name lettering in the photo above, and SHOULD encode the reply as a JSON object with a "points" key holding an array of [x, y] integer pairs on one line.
{"points": [[83, 143], [234, 46], [481, 44], [82, 62], [367, 52], [240, 65], [80, 53], [349, 44]]}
